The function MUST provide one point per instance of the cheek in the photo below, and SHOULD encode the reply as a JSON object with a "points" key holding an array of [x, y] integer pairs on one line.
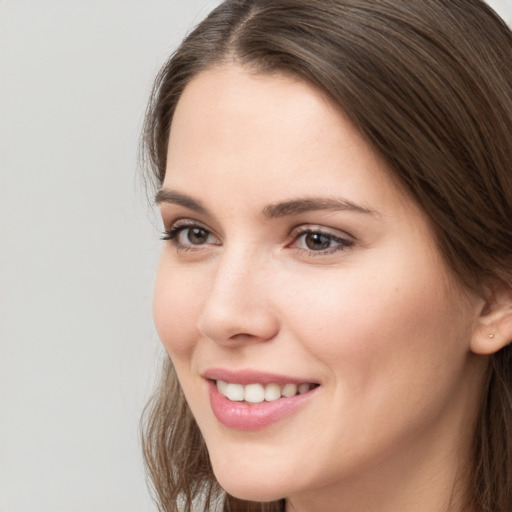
{"points": [[400, 320], [176, 308]]}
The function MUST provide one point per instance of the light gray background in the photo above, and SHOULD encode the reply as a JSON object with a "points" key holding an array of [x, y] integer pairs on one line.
{"points": [[78, 353]]}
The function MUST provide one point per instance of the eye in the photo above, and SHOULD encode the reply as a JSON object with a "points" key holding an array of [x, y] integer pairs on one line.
{"points": [[193, 235], [185, 235], [319, 241]]}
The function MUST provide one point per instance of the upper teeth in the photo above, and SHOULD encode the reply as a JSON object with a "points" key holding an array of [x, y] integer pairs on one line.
{"points": [[256, 393]]}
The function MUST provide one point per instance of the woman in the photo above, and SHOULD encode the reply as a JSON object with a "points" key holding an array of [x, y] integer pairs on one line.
{"points": [[335, 286]]}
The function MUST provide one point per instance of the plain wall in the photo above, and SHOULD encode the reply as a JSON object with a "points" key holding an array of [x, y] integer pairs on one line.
{"points": [[78, 250], [504, 8]]}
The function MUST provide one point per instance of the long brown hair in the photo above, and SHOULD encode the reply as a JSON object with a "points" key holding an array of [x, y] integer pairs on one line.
{"points": [[429, 84]]}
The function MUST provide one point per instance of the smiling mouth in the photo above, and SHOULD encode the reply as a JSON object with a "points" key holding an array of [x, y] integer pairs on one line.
{"points": [[258, 393]]}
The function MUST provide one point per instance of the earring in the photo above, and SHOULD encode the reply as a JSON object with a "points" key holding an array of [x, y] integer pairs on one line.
{"points": [[490, 336]]}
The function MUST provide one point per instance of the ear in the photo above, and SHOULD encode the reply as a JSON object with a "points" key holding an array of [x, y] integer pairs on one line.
{"points": [[494, 325]]}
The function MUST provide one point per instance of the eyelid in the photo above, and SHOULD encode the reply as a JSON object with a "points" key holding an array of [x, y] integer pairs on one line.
{"points": [[185, 222], [315, 228]]}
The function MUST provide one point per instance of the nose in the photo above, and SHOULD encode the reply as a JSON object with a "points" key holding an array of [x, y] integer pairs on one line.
{"points": [[238, 308]]}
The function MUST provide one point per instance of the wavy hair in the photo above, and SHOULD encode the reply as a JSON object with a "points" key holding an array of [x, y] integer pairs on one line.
{"points": [[429, 85]]}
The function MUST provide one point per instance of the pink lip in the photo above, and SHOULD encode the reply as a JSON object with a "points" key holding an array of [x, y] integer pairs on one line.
{"points": [[244, 416], [252, 377]]}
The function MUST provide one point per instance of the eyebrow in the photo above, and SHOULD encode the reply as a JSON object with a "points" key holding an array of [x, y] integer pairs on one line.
{"points": [[298, 206], [271, 211], [173, 197]]}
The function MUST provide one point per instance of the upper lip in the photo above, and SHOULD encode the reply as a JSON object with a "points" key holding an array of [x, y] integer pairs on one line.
{"points": [[250, 376]]}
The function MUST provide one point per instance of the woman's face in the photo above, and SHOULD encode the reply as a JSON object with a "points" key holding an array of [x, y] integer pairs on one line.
{"points": [[296, 271]]}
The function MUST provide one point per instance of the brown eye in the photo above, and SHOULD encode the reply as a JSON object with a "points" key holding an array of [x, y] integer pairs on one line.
{"points": [[317, 241], [189, 235], [196, 236]]}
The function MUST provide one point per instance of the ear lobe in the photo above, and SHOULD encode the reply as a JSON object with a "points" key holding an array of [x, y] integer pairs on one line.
{"points": [[494, 328]]}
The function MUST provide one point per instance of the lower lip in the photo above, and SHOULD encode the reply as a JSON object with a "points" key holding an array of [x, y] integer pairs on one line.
{"points": [[244, 416]]}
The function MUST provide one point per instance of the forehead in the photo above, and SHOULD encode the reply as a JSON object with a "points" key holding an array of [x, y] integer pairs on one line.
{"points": [[261, 104], [263, 137]]}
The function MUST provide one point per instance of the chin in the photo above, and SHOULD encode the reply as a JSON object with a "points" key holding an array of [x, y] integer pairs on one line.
{"points": [[251, 492], [250, 487]]}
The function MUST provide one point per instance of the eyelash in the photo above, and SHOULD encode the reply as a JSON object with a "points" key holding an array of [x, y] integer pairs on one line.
{"points": [[342, 244], [179, 227]]}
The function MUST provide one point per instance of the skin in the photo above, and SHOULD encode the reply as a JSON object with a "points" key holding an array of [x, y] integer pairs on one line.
{"points": [[378, 320]]}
